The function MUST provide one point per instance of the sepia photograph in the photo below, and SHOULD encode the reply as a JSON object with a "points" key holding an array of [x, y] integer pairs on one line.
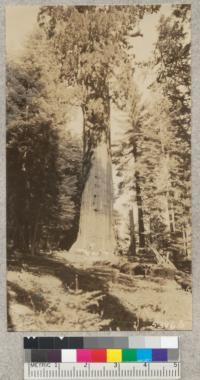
{"points": [[98, 123]]}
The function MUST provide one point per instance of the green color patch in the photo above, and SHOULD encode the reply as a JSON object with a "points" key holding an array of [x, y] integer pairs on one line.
{"points": [[129, 355]]}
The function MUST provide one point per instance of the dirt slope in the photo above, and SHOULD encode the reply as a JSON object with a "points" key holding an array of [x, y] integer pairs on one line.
{"points": [[74, 293]]}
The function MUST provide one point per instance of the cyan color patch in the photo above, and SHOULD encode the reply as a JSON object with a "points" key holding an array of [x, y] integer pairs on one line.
{"points": [[144, 355]]}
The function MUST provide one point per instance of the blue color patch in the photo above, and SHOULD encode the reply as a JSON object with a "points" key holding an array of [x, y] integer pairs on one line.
{"points": [[144, 355]]}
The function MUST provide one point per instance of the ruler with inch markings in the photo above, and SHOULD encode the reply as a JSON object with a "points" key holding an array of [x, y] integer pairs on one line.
{"points": [[97, 371]]}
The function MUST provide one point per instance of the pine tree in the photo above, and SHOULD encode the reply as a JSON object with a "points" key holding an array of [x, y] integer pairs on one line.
{"points": [[156, 144], [173, 57]]}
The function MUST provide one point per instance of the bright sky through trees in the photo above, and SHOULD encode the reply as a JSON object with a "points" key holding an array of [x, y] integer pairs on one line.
{"points": [[20, 21]]}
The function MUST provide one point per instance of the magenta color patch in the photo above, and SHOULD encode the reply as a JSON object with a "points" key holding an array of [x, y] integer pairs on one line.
{"points": [[84, 355]]}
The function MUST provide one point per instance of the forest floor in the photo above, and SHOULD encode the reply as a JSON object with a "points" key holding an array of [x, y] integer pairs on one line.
{"points": [[72, 292]]}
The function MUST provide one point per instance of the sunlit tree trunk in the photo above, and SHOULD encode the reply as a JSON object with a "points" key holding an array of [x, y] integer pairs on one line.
{"points": [[137, 218], [96, 233]]}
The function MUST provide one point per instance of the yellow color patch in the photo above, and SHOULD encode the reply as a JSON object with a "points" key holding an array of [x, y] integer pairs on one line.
{"points": [[114, 356]]}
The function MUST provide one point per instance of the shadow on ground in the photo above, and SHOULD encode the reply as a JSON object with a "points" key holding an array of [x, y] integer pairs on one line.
{"points": [[88, 281]]}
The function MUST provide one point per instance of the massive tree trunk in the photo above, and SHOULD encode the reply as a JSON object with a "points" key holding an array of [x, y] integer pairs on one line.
{"points": [[96, 224], [96, 232]]}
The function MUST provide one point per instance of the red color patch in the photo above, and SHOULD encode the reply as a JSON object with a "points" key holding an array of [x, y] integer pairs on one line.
{"points": [[98, 356]]}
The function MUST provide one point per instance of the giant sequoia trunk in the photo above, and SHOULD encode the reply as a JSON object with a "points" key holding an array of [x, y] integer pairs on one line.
{"points": [[96, 232]]}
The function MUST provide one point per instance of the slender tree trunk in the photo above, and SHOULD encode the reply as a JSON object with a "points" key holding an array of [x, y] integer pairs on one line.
{"points": [[172, 219], [185, 241], [134, 230], [96, 232], [167, 214], [140, 212], [150, 232], [132, 249], [139, 221], [188, 239], [35, 228]]}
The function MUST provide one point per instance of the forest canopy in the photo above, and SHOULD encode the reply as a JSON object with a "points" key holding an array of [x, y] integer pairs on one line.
{"points": [[126, 191]]}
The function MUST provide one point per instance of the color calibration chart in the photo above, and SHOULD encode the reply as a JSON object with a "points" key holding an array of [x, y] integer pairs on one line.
{"points": [[102, 358]]}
